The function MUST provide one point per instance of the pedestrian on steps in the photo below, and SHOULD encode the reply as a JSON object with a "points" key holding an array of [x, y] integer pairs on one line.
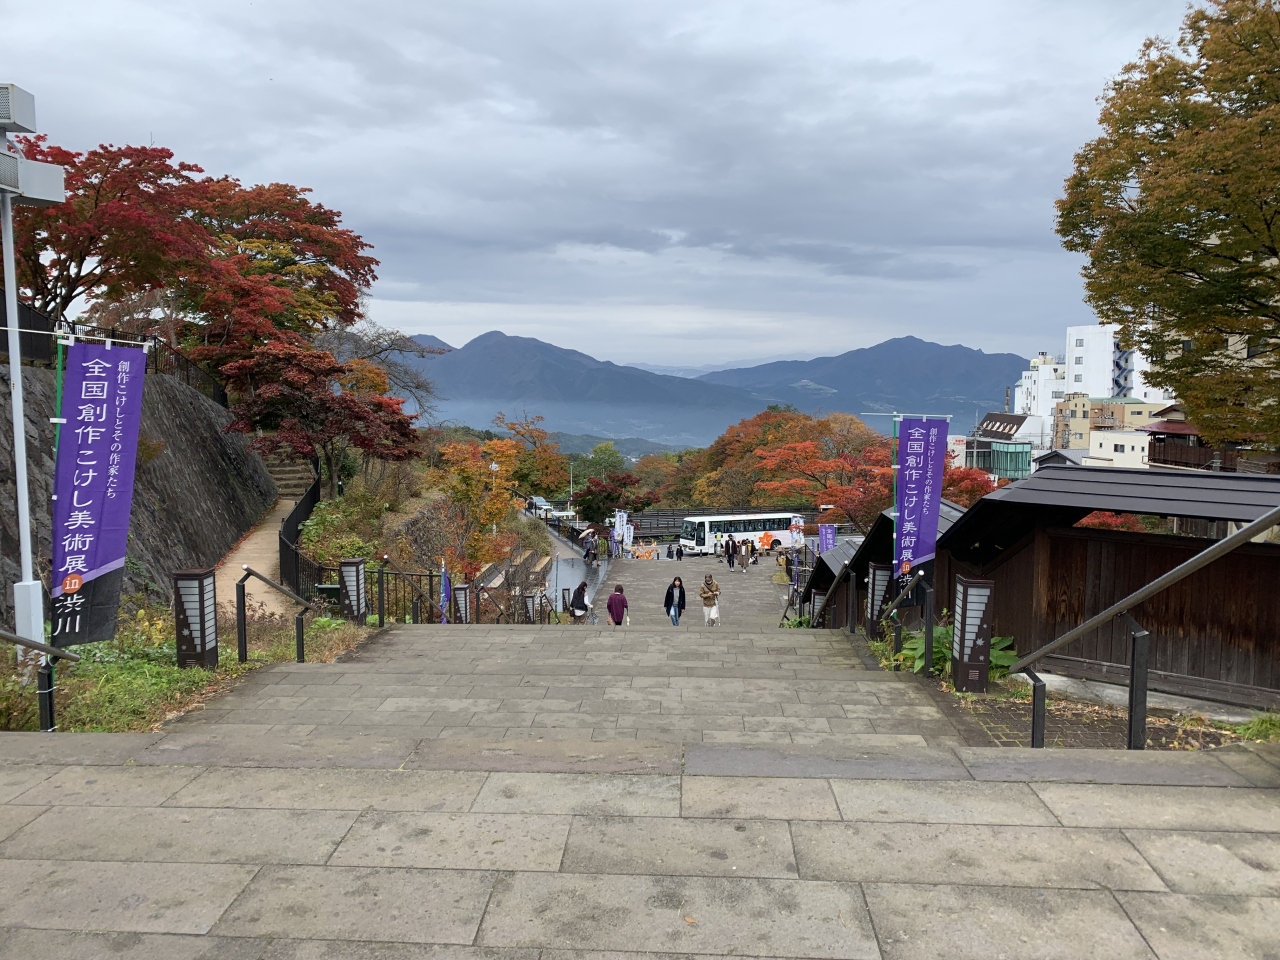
{"points": [[710, 594], [579, 605], [617, 605], [673, 602]]}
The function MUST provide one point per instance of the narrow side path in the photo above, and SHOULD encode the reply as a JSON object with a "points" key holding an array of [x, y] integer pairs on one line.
{"points": [[260, 550]]}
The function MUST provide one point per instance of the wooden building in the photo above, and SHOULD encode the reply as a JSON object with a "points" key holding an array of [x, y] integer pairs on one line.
{"points": [[1215, 634], [850, 586]]}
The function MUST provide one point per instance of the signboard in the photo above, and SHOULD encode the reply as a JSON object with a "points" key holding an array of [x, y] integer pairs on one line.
{"points": [[826, 537], [797, 532], [922, 457], [93, 488]]}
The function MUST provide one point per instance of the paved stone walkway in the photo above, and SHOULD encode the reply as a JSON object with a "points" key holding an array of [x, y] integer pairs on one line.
{"points": [[259, 549], [715, 685], [227, 843], [499, 793]]}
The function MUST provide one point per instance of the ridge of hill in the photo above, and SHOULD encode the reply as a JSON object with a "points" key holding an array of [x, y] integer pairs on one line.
{"points": [[906, 374], [633, 447], [578, 394]]}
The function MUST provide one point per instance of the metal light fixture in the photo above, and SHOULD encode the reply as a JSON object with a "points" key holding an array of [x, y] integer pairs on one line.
{"points": [[971, 635], [354, 599], [195, 608]]}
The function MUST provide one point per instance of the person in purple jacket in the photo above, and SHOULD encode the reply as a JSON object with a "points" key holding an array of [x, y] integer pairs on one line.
{"points": [[617, 606]]}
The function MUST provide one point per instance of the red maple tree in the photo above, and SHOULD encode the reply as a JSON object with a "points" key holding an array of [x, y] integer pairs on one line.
{"points": [[155, 248], [317, 406]]}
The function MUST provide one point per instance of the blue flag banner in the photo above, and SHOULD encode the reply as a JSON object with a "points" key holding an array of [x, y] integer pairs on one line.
{"points": [[826, 537], [93, 488], [922, 457]]}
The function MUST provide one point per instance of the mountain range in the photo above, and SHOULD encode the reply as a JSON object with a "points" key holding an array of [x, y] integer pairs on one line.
{"points": [[577, 393]]}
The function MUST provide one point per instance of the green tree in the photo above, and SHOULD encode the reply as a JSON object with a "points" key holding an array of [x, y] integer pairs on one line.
{"points": [[603, 460], [1177, 207]]}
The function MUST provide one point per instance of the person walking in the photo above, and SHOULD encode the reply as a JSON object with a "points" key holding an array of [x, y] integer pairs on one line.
{"points": [[744, 555], [679, 552], [673, 602], [731, 551], [579, 605], [617, 606], [710, 594]]}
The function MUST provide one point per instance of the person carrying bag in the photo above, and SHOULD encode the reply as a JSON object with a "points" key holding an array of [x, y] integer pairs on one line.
{"points": [[710, 594], [580, 606]]}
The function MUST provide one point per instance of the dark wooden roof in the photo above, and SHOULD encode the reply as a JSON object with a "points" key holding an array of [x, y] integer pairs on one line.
{"points": [[878, 545], [1060, 496], [830, 567]]}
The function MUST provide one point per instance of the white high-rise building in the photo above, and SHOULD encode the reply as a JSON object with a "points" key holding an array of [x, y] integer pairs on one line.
{"points": [[1040, 387], [1097, 365]]}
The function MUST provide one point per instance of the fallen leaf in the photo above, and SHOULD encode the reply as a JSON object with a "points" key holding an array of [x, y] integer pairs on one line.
{"points": [[690, 920]]}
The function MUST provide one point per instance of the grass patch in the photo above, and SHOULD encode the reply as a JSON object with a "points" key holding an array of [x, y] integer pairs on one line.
{"points": [[1265, 726], [133, 684]]}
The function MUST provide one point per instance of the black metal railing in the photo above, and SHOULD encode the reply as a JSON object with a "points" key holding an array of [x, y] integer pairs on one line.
{"points": [[297, 571], [242, 628], [38, 341], [45, 685], [165, 360]]}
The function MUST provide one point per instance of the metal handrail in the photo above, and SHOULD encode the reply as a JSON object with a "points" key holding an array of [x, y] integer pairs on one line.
{"points": [[242, 634], [44, 675], [250, 572], [35, 645], [1183, 570]]}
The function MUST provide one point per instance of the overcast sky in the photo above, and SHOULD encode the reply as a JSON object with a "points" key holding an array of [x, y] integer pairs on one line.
{"points": [[669, 181]]}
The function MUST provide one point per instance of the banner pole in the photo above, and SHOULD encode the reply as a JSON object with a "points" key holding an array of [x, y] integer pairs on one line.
{"points": [[28, 599]]}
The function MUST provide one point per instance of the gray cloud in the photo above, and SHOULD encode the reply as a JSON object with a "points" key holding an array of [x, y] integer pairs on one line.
{"points": [[835, 171]]}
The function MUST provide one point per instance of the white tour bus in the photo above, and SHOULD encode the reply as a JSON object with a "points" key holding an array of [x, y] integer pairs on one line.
{"points": [[706, 534]]}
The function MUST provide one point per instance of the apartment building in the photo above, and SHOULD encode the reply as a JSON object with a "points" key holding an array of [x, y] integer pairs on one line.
{"points": [[1085, 423], [1071, 422], [1097, 365]]}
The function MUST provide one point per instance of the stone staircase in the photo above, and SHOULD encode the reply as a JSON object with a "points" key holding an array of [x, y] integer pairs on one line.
{"points": [[563, 793], [292, 477]]}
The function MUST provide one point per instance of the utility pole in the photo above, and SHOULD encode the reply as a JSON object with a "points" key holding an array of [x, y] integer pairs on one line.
{"points": [[38, 184]]}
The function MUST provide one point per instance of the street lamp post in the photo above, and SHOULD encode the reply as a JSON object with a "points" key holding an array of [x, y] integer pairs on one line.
{"points": [[38, 184]]}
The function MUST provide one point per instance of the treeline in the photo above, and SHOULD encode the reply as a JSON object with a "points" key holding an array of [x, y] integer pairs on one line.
{"points": [[778, 458]]}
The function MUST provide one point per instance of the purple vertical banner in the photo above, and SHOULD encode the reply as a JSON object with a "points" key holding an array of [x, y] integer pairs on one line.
{"points": [[93, 488], [826, 537], [922, 456], [446, 594]]}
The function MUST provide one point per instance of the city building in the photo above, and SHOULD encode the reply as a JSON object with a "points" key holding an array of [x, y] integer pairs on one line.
{"points": [[1077, 415], [1040, 387], [1117, 448], [1096, 364], [1071, 422], [1001, 444]]}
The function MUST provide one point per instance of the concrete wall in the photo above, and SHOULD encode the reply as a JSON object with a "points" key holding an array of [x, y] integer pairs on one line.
{"points": [[198, 489]]}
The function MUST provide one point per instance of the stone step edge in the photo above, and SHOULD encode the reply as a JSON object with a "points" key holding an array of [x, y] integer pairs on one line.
{"points": [[1236, 765]]}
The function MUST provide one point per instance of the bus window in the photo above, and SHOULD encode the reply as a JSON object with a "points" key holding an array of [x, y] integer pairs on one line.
{"points": [[716, 526]]}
